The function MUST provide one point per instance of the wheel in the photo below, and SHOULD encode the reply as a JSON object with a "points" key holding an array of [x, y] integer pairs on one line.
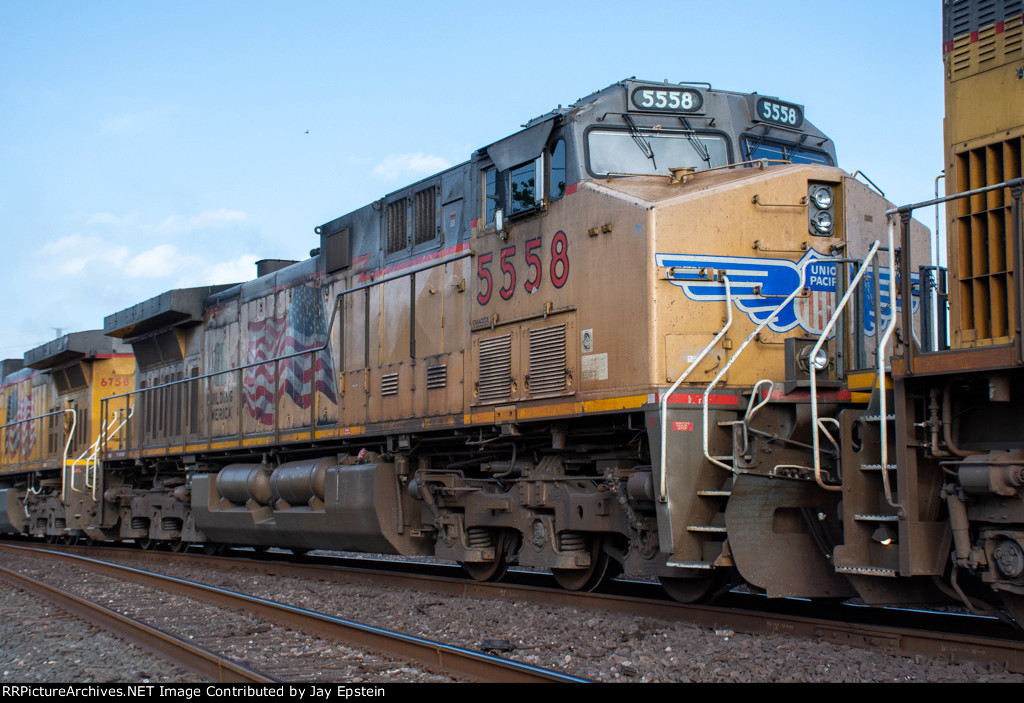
{"points": [[147, 544], [602, 568], [178, 546], [492, 570], [213, 548], [696, 589], [53, 539]]}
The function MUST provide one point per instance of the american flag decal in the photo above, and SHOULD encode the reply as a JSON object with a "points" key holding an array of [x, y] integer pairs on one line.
{"points": [[303, 327], [20, 437]]}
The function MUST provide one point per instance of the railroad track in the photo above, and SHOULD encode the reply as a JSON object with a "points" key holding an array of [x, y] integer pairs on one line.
{"points": [[1000, 647], [458, 663]]}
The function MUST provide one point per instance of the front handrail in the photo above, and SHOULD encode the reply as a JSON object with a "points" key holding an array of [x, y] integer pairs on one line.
{"points": [[757, 330], [64, 459], [816, 423], [880, 373], [663, 489]]}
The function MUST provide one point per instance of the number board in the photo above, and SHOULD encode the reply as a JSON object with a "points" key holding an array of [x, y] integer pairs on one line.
{"points": [[779, 112], [677, 100]]}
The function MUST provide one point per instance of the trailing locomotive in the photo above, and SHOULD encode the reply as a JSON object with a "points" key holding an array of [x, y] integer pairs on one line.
{"points": [[657, 332]]}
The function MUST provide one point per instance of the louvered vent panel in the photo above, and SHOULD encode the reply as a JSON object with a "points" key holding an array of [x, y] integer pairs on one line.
{"points": [[981, 35], [437, 376], [396, 226], [425, 217], [547, 360], [389, 384], [495, 369]]}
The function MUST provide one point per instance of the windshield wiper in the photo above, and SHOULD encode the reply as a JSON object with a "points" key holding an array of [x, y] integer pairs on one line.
{"points": [[698, 146], [645, 146]]}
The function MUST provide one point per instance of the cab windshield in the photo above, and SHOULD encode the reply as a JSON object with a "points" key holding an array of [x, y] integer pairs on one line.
{"points": [[653, 151], [760, 149]]}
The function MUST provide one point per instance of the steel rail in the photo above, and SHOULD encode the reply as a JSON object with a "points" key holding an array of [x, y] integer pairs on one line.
{"points": [[473, 665], [163, 644], [899, 641]]}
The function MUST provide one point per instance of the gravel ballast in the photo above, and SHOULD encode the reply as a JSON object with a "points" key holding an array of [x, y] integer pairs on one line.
{"points": [[42, 644]]}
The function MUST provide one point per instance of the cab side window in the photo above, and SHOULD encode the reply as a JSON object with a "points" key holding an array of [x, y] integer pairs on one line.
{"points": [[524, 195], [524, 188], [489, 195], [556, 182]]}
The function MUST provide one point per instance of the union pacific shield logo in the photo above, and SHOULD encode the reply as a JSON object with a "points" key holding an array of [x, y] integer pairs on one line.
{"points": [[759, 286]]}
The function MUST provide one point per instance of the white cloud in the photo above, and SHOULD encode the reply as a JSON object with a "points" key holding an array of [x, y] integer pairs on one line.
{"points": [[418, 164], [238, 270], [160, 261], [70, 255]]}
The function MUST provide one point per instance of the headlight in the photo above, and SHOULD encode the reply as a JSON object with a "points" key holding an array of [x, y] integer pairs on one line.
{"points": [[821, 206], [820, 360], [822, 197], [822, 222]]}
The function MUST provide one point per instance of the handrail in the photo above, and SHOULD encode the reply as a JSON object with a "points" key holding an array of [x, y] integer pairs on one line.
{"points": [[880, 374], [956, 196], [815, 422], [663, 490], [34, 418], [101, 441], [312, 351], [757, 330], [64, 459]]}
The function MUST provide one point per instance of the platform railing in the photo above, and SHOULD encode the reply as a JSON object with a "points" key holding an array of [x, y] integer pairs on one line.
{"points": [[817, 422], [800, 287], [663, 488], [139, 397]]}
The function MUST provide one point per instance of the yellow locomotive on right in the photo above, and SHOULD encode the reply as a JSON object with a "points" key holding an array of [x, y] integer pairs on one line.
{"points": [[959, 396], [943, 513]]}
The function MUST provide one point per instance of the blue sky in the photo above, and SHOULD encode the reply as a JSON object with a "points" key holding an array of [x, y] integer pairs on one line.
{"points": [[147, 146]]}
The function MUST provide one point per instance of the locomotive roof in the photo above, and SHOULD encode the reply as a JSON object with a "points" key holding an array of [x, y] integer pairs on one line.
{"points": [[71, 347], [170, 309]]}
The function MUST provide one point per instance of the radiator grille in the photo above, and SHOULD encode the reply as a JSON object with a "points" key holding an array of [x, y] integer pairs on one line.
{"points": [[547, 360], [389, 384], [984, 250], [495, 368], [437, 376]]}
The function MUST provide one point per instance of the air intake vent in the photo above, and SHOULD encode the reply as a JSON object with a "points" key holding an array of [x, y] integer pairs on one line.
{"points": [[424, 216], [437, 376], [495, 365], [547, 361], [396, 223], [389, 384]]}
